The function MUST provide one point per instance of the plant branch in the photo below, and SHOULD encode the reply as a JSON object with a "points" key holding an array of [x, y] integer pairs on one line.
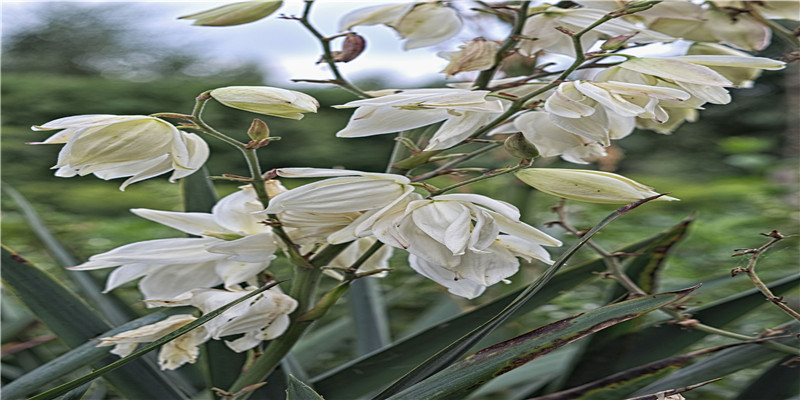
{"points": [[492, 174], [750, 270], [513, 38]]}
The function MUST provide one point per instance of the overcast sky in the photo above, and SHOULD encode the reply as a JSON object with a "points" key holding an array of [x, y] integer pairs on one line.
{"points": [[284, 47]]}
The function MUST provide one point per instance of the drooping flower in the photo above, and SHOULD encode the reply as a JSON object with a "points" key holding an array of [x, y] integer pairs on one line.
{"points": [[540, 31], [235, 13], [601, 111], [462, 240], [264, 317], [115, 146], [232, 247], [420, 24], [587, 185], [266, 100], [173, 354], [463, 111]]}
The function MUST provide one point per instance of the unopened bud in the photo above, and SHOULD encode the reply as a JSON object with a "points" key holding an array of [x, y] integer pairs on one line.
{"points": [[235, 14], [518, 146], [258, 130], [587, 185], [351, 48], [266, 100], [617, 42]]}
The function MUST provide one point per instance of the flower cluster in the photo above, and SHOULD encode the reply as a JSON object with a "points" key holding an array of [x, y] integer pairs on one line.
{"points": [[463, 241]]}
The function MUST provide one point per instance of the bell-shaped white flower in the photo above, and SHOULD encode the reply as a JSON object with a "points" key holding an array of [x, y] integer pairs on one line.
{"points": [[115, 146], [232, 247], [420, 24], [587, 185], [173, 354], [266, 100], [463, 111], [461, 233], [264, 317], [542, 27], [551, 140], [601, 111]]}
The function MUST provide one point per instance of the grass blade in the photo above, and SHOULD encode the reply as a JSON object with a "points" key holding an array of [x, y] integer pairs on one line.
{"points": [[300, 391]]}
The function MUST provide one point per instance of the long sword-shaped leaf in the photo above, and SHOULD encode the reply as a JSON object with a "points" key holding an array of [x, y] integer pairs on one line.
{"points": [[379, 368], [75, 323], [723, 363], [466, 375], [198, 192], [76, 358], [52, 393], [300, 391], [112, 308], [369, 315], [778, 382], [458, 348]]}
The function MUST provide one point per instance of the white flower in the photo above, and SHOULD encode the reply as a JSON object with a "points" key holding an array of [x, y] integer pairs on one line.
{"points": [[543, 26], [458, 237], [602, 111], [463, 111], [173, 354], [588, 186], [233, 247], [114, 146], [551, 140], [264, 317], [377, 261], [421, 24], [266, 100]]}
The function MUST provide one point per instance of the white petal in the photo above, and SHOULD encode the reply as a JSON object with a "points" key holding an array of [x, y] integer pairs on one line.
{"points": [[259, 248], [447, 222], [459, 287], [161, 251], [189, 222]]}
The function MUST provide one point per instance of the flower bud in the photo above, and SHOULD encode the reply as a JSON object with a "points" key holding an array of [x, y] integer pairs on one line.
{"points": [[266, 100], [588, 186], [518, 146], [258, 130], [235, 14], [476, 55], [351, 48], [617, 42]]}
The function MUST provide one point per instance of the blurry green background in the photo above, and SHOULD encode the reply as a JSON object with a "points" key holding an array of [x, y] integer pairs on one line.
{"points": [[737, 167]]}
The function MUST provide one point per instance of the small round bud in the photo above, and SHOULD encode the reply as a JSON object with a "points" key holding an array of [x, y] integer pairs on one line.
{"points": [[351, 48], [258, 130], [518, 146]]}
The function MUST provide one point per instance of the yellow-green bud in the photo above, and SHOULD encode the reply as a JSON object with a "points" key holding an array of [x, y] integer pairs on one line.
{"points": [[235, 14], [258, 130], [266, 100], [617, 42], [588, 186], [518, 146]]}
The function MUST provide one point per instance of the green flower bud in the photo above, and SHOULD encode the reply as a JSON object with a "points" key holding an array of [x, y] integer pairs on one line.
{"points": [[588, 186], [235, 14], [617, 42], [518, 146], [258, 130], [266, 100]]}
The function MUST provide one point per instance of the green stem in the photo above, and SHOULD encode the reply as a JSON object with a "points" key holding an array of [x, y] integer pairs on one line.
{"points": [[486, 76], [327, 54], [497, 172]]}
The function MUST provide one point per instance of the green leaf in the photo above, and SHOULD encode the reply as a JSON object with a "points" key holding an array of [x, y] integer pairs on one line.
{"points": [[80, 356], [300, 391], [778, 382], [372, 371], [112, 308], [52, 393], [458, 348], [66, 315], [198, 192], [464, 376], [369, 315], [722, 364]]}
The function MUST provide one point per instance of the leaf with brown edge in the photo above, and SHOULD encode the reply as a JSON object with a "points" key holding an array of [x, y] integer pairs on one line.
{"points": [[457, 380]]}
